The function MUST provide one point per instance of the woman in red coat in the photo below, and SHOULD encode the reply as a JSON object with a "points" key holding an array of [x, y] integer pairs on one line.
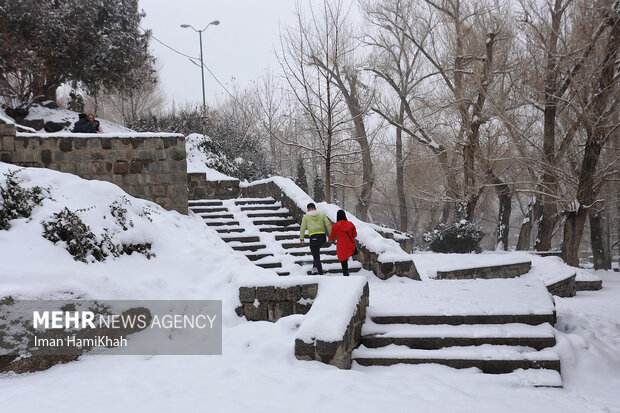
{"points": [[345, 232]]}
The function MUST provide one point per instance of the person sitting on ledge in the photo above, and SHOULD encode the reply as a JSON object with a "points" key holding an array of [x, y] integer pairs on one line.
{"points": [[92, 119], [83, 125]]}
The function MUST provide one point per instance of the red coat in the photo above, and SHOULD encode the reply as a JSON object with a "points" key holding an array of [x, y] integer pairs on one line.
{"points": [[346, 233]]}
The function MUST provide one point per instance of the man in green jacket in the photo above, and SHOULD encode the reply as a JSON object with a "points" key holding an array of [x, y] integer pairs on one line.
{"points": [[318, 227]]}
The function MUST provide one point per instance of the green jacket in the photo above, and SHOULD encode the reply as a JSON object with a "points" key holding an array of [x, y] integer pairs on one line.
{"points": [[316, 223]]}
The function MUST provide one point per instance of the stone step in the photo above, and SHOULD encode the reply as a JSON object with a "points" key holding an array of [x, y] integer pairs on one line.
{"points": [[269, 215], [260, 207], [454, 302], [588, 285], [256, 257], [279, 222], [203, 202], [532, 319], [310, 261], [229, 230], [221, 223], [302, 253], [279, 229], [269, 264], [282, 237], [248, 238], [430, 337], [216, 216], [250, 247], [289, 245], [336, 270], [202, 210], [488, 358], [255, 201]]}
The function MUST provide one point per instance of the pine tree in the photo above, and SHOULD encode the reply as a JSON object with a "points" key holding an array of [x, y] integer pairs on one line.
{"points": [[301, 179], [319, 189], [76, 101]]}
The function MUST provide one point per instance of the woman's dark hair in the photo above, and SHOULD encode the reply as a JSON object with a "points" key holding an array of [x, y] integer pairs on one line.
{"points": [[341, 216]]}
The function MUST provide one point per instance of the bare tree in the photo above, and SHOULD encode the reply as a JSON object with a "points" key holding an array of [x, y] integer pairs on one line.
{"points": [[597, 116], [315, 57]]}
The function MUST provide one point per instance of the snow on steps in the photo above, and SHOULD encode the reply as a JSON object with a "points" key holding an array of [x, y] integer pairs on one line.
{"points": [[497, 326], [488, 358], [268, 235], [463, 301], [430, 337]]}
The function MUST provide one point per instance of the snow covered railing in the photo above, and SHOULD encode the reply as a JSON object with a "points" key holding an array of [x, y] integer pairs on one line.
{"points": [[383, 256], [334, 308]]}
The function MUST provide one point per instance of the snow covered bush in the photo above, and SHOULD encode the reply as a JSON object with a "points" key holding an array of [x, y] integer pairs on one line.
{"points": [[459, 237], [17, 201], [231, 149], [67, 227]]}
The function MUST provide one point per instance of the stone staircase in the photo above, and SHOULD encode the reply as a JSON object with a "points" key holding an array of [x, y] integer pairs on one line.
{"points": [[516, 337], [266, 233]]}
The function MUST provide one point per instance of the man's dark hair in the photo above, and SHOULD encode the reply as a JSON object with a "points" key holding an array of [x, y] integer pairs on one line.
{"points": [[311, 206]]}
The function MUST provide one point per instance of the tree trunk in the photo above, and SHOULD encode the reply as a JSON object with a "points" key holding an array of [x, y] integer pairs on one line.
{"points": [[400, 185], [523, 244], [505, 208], [573, 230], [599, 237], [596, 138], [357, 115]]}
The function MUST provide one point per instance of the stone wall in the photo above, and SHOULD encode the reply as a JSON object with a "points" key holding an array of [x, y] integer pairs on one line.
{"points": [[200, 188], [494, 271], [337, 353], [149, 166], [269, 303], [564, 288], [368, 258]]}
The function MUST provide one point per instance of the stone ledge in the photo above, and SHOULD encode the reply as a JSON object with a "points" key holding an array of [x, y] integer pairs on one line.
{"points": [[336, 352], [200, 188], [270, 303], [593, 285], [488, 272], [564, 288]]}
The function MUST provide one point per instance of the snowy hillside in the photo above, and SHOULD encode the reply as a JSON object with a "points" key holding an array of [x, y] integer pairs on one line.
{"points": [[257, 371]]}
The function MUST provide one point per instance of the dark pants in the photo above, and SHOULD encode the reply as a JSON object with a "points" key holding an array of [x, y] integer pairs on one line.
{"points": [[316, 242], [345, 267]]}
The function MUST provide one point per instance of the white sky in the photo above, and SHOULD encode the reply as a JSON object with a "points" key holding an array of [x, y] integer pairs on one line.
{"points": [[240, 48]]}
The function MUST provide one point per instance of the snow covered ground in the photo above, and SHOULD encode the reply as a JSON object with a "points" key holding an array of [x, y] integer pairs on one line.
{"points": [[258, 371]]}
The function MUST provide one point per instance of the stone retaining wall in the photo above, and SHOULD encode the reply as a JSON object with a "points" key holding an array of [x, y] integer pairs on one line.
{"points": [[337, 353], [494, 271], [564, 288], [149, 166], [368, 258], [270, 303], [200, 188]]}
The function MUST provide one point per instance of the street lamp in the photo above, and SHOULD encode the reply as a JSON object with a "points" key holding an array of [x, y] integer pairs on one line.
{"points": [[202, 68]]}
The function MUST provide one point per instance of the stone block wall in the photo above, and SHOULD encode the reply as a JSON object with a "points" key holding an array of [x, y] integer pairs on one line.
{"points": [[149, 166], [564, 288], [200, 188], [337, 353], [368, 258], [269, 303], [493, 271]]}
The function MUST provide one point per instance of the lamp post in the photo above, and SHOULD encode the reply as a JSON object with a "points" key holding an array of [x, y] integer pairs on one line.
{"points": [[202, 68]]}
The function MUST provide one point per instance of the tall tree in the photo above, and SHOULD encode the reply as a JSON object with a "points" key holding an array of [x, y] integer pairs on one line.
{"points": [[97, 43], [599, 124]]}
